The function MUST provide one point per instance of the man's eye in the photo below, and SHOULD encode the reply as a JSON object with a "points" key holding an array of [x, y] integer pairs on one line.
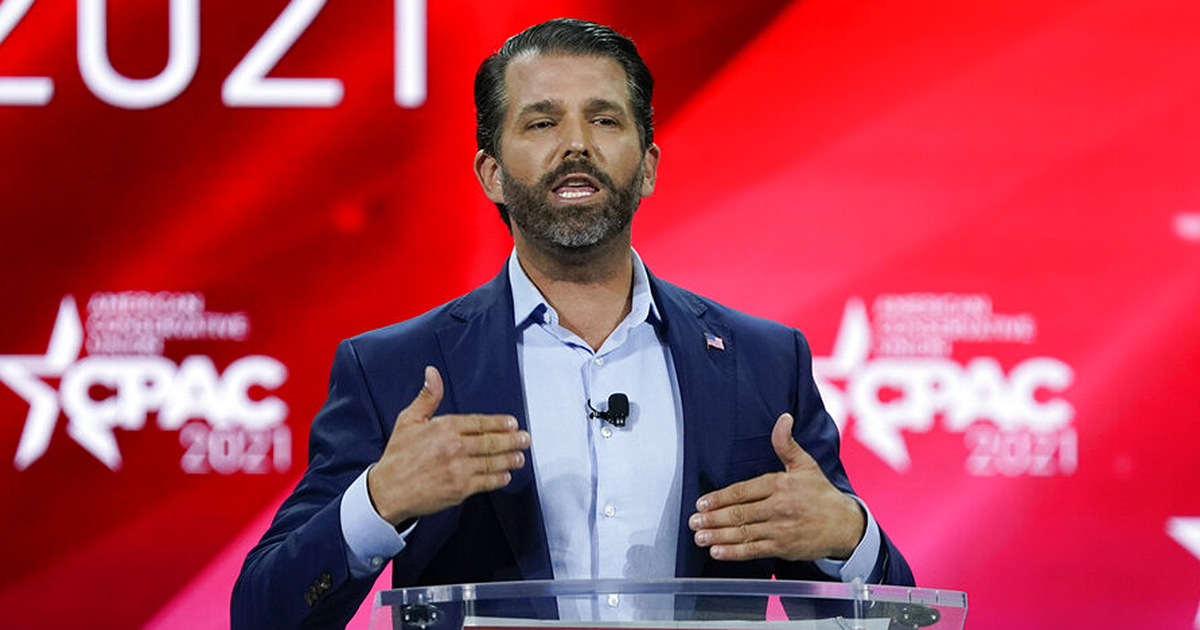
{"points": [[540, 124], [605, 122]]}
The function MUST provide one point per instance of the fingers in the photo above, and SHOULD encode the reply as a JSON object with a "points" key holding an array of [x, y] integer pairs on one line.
{"points": [[761, 548], [495, 443], [740, 535], [739, 532], [733, 516], [480, 424], [735, 522], [492, 472], [742, 492], [786, 448], [490, 464], [742, 531], [489, 482]]}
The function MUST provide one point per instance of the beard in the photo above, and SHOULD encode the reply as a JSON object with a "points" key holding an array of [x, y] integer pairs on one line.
{"points": [[577, 226]]}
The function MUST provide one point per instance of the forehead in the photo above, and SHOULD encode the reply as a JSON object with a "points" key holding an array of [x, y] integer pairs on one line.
{"points": [[569, 79]]}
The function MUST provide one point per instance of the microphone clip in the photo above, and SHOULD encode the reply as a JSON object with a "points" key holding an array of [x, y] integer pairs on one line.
{"points": [[618, 410]]}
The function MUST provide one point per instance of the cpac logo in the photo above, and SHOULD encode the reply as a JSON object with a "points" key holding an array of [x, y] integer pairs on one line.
{"points": [[240, 432], [895, 375]]}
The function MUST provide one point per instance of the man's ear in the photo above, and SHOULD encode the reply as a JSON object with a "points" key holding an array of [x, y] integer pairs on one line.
{"points": [[650, 169], [487, 171]]}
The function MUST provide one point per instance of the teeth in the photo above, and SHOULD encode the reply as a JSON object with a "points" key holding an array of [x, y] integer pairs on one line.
{"points": [[574, 194]]}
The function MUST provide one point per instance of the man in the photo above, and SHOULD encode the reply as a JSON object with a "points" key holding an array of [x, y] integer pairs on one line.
{"points": [[505, 463]]}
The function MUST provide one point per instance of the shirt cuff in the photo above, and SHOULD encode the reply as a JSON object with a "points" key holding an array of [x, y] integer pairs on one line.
{"points": [[370, 540], [861, 563]]}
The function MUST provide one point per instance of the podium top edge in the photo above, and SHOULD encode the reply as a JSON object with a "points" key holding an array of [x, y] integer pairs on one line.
{"points": [[683, 586]]}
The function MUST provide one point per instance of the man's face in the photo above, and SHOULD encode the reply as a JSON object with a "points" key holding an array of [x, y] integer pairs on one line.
{"points": [[571, 169]]}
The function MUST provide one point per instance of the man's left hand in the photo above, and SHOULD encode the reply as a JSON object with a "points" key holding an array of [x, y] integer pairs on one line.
{"points": [[794, 515]]}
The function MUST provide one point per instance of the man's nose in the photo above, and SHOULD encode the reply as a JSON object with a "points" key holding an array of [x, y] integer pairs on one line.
{"points": [[578, 140]]}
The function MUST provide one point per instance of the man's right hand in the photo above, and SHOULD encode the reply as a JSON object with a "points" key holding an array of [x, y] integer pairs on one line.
{"points": [[431, 463]]}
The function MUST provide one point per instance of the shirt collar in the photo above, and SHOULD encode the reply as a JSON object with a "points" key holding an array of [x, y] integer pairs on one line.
{"points": [[530, 306]]}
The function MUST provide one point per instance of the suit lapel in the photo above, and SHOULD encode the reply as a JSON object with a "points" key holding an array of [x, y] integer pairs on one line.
{"points": [[480, 349], [707, 378]]}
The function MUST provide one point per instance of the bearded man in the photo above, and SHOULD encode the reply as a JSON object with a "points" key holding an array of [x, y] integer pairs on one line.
{"points": [[474, 443]]}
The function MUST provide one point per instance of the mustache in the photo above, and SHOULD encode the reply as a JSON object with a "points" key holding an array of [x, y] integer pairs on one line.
{"points": [[567, 167]]}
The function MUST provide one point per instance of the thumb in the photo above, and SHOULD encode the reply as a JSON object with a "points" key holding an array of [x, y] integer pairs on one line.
{"points": [[422, 407], [786, 448]]}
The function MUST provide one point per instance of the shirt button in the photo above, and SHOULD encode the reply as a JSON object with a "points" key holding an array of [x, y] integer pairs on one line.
{"points": [[376, 561], [598, 360], [613, 600], [606, 431], [609, 510]]}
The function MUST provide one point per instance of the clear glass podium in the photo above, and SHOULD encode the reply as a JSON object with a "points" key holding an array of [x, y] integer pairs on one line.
{"points": [[679, 604]]}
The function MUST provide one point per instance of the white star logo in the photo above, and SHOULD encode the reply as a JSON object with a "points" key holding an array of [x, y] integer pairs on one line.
{"points": [[23, 374], [851, 349], [1186, 532]]}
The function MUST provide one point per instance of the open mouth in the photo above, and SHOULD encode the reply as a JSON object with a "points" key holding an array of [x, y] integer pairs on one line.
{"points": [[576, 187]]}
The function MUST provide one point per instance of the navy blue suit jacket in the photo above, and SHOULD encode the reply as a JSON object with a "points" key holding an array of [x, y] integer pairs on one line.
{"points": [[731, 399]]}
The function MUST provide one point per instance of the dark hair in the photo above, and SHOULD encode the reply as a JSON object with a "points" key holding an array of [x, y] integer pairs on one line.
{"points": [[565, 36]]}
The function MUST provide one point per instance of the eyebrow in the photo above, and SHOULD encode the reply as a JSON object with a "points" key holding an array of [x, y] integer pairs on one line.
{"points": [[603, 104], [548, 106], [555, 106]]}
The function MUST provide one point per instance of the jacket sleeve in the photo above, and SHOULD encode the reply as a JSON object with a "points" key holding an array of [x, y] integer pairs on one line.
{"points": [[298, 575]]}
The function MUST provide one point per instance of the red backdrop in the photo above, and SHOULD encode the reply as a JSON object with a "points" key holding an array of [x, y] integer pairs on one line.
{"points": [[986, 219]]}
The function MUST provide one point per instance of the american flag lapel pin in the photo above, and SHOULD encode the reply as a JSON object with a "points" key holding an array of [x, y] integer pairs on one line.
{"points": [[714, 342]]}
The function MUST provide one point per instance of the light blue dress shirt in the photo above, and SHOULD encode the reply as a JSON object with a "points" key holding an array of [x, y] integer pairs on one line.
{"points": [[610, 496]]}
